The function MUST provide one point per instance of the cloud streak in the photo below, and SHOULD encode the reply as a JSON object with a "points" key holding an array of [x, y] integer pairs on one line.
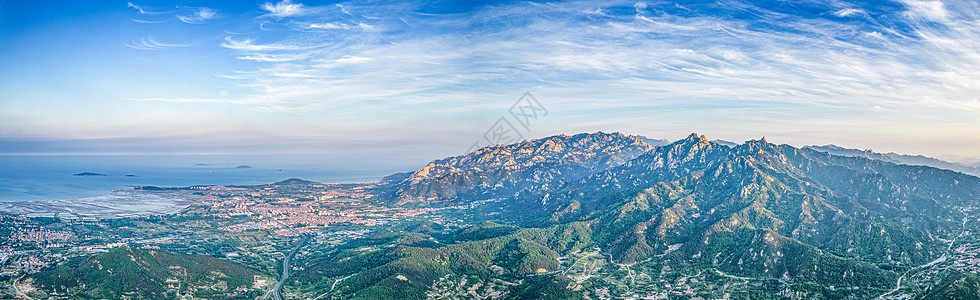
{"points": [[249, 45], [151, 44], [186, 14], [836, 62], [824, 57]]}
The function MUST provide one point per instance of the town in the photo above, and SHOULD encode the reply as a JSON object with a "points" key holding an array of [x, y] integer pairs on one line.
{"points": [[254, 226]]}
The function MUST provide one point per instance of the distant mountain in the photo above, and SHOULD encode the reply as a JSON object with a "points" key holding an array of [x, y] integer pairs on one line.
{"points": [[295, 181], [835, 224], [653, 142], [147, 274], [725, 143], [500, 171], [915, 160]]}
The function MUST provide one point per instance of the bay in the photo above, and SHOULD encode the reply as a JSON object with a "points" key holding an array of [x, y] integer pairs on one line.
{"points": [[51, 177]]}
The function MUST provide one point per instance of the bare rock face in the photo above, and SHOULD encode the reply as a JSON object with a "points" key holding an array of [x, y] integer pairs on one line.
{"points": [[506, 169]]}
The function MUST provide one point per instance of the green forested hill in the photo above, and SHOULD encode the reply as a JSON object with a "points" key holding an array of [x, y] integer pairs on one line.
{"points": [[147, 274]]}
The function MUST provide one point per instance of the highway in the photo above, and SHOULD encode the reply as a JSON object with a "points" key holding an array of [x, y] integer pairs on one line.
{"points": [[285, 270]]}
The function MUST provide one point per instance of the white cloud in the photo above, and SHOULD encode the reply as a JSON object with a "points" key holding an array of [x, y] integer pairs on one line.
{"points": [[875, 34], [367, 27], [640, 7], [849, 12], [148, 21], [136, 7], [933, 10], [344, 10], [826, 69], [248, 45], [284, 8], [354, 59], [145, 11], [151, 44], [198, 15], [265, 57], [334, 25]]}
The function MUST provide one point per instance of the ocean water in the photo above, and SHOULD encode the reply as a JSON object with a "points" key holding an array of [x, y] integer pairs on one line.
{"points": [[50, 177]]}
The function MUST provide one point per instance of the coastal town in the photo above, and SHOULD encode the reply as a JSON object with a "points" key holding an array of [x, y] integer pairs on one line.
{"points": [[250, 225], [294, 224]]}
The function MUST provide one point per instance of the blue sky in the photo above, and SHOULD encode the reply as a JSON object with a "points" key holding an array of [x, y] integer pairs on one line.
{"points": [[426, 79]]}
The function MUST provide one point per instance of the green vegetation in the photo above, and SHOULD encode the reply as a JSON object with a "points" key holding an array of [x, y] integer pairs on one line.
{"points": [[956, 286], [551, 287], [568, 217], [392, 265], [148, 274]]}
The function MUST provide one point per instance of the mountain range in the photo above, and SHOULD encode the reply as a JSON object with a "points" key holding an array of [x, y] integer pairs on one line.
{"points": [[914, 160], [822, 220], [627, 215]]}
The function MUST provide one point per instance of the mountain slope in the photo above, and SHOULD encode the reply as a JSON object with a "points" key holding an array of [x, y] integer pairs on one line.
{"points": [[493, 171], [146, 274], [835, 226], [398, 266], [579, 200]]}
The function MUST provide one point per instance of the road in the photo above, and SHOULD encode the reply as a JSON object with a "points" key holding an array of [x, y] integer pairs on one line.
{"points": [[18, 292], [285, 271], [898, 284]]}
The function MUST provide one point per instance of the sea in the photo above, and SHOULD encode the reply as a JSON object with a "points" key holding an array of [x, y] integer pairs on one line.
{"points": [[51, 177]]}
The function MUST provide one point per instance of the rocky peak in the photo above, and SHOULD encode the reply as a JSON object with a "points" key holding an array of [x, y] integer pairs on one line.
{"points": [[756, 146], [515, 166]]}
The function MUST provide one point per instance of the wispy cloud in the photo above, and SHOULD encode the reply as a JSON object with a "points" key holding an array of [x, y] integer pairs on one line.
{"points": [[930, 9], [812, 60], [136, 7], [835, 62], [151, 44], [284, 8], [847, 12], [142, 10], [266, 57], [249, 45], [149, 21], [186, 14], [333, 25], [198, 15]]}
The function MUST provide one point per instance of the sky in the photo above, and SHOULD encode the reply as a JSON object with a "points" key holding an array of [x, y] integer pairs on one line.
{"points": [[420, 80]]}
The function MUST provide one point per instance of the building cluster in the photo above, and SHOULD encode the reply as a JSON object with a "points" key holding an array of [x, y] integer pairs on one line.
{"points": [[39, 236], [290, 211], [31, 264], [967, 258]]}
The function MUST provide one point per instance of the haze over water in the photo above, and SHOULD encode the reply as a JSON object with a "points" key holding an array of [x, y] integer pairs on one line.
{"points": [[50, 177]]}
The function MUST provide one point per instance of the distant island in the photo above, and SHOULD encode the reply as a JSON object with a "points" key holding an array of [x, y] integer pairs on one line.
{"points": [[90, 174], [243, 167]]}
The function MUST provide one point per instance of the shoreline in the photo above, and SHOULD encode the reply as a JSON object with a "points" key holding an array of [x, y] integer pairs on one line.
{"points": [[116, 204]]}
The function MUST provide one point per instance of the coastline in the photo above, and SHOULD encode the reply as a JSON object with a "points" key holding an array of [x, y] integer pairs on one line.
{"points": [[117, 204]]}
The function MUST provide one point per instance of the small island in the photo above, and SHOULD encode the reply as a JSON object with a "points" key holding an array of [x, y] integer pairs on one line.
{"points": [[243, 167], [89, 174]]}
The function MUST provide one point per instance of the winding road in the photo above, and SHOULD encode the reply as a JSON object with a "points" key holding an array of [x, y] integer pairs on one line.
{"points": [[285, 271], [898, 284]]}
